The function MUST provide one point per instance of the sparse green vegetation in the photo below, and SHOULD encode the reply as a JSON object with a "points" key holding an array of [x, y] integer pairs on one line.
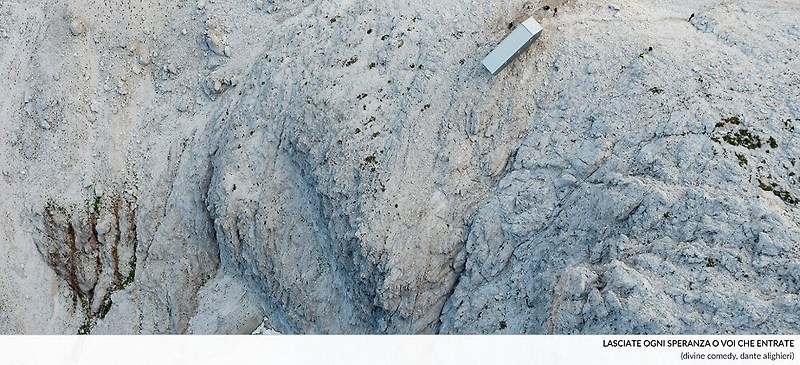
{"points": [[772, 142], [104, 307], [730, 120], [131, 274], [350, 61], [369, 162], [656, 90], [784, 195], [63, 246], [788, 124], [52, 207], [710, 262], [97, 203], [86, 326], [743, 138], [765, 187], [742, 159]]}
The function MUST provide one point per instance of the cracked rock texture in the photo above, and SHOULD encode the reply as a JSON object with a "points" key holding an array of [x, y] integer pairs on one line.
{"points": [[302, 166]]}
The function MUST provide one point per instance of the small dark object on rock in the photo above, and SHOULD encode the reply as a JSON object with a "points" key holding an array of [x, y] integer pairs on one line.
{"points": [[555, 11], [546, 7], [691, 16], [649, 49]]}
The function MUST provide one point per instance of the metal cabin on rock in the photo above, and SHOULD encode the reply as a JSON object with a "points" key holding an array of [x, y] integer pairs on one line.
{"points": [[512, 45]]}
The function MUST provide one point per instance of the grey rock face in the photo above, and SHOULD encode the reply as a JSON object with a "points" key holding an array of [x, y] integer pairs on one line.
{"points": [[632, 214], [370, 180], [329, 167]]}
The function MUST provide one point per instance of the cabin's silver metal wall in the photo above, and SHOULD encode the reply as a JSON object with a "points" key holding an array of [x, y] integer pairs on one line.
{"points": [[511, 46]]}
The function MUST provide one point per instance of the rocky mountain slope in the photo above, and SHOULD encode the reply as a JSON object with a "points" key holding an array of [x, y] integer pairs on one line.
{"points": [[323, 166]]}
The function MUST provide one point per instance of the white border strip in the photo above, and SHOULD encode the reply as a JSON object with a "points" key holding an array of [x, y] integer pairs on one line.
{"points": [[372, 350]]}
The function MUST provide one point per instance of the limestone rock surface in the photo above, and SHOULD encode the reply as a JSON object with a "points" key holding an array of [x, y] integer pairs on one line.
{"points": [[313, 166]]}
